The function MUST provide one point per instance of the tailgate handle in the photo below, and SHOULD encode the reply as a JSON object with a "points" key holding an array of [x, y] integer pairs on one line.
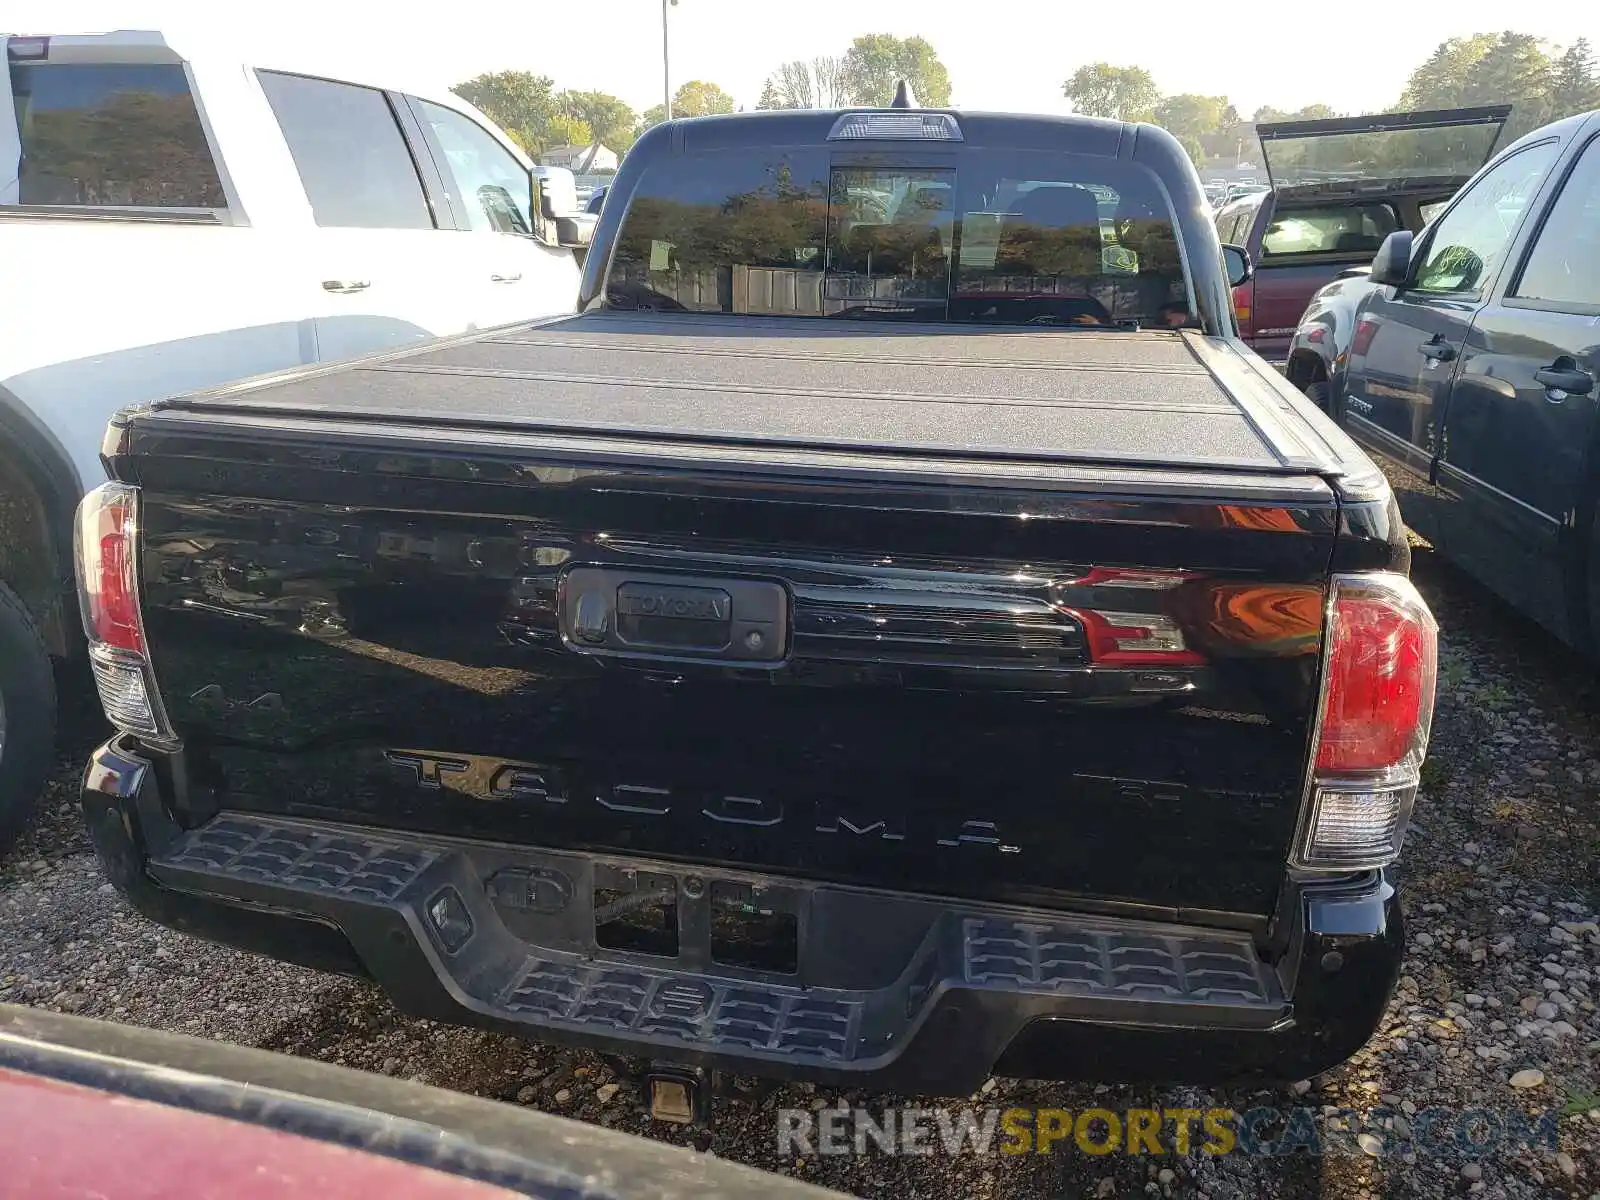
{"points": [[614, 611]]}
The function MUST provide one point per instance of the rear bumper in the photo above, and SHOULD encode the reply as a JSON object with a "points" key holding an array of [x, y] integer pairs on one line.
{"points": [[1274, 349], [887, 989]]}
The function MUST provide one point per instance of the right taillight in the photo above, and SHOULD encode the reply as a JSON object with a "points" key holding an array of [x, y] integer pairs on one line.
{"points": [[1378, 679], [106, 546], [1244, 299]]}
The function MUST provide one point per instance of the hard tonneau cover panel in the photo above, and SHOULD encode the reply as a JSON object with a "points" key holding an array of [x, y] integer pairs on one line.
{"points": [[1039, 394], [174, 431]]}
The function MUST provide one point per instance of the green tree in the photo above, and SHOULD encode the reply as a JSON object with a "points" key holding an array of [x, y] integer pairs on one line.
{"points": [[770, 96], [1574, 81], [1267, 115], [697, 98], [1191, 118], [1441, 81], [876, 62], [1227, 140], [1517, 71], [564, 130], [520, 102], [610, 120], [1103, 90]]}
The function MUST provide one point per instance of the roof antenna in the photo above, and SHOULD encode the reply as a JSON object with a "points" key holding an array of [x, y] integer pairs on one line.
{"points": [[902, 96]]}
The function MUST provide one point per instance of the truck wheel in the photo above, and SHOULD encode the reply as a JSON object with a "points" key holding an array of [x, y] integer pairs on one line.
{"points": [[1320, 394], [27, 717]]}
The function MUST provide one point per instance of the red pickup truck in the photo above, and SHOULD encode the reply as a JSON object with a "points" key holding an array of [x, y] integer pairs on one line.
{"points": [[1339, 187]]}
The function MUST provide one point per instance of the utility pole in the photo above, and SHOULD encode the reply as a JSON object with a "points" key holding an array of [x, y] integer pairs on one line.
{"points": [[666, 62]]}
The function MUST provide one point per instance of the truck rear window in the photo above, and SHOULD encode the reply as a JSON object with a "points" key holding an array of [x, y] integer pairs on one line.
{"points": [[122, 135], [985, 235]]}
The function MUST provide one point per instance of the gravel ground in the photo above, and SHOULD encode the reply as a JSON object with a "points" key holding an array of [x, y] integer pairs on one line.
{"points": [[1496, 1010]]}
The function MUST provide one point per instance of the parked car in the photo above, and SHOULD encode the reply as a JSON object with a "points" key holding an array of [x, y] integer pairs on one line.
{"points": [[170, 222], [1338, 188], [1466, 361], [1235, 191], [96, 1108], [832, 655]]}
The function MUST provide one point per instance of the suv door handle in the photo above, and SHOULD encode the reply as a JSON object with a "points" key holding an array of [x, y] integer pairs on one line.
{"points": [[507, 277], [1437, 350], [1559, 377], [345, 286]]}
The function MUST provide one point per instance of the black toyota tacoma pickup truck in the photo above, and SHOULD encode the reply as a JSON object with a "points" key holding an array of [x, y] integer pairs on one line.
{"points": [[895, 632]]}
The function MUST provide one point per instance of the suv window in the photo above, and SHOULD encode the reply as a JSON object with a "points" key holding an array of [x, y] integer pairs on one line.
{"points": [[996, 236], [1563, 268], [1469, 242], [111, 135], [1330, 229], [492, 184], [1226, 221], [354, 162]]}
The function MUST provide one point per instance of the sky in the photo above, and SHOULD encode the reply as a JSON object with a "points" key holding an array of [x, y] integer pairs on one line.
{"points": [[1009, 55]]}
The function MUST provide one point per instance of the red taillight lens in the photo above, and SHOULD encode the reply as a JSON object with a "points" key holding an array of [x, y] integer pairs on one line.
{"points": [[1244, 298], [108, 586], [1366, 329], [1381, 668]]}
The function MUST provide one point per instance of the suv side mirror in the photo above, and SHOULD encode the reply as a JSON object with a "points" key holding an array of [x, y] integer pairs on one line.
{"points": [[558, 192], [576, 232], [1391, 266], [558, 218], [1236, 262]]}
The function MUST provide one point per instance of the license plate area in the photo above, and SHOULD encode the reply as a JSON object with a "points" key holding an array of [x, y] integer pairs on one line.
{"points": [[636, 911], [674, 617], [698, 919], [754, 929]]}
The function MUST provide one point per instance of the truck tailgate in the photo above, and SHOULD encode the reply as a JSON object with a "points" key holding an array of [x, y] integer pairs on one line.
{"points": [[964, 674]]}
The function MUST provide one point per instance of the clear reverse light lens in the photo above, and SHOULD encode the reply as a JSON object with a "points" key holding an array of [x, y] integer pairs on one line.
{"points": [[120, 680], [1357, 828]]}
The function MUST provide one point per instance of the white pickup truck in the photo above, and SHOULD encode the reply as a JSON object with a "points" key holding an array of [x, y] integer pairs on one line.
{"points": [[171, 222]]}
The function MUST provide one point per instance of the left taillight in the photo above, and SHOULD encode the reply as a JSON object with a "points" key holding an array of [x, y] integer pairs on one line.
{"points": [[107, 553]]}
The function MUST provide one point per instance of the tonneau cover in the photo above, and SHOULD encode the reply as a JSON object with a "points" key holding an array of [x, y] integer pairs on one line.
{"points": [[1147, 397]]}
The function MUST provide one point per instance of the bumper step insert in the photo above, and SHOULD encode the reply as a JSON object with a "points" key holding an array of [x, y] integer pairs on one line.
{"points": [[961, 974]]}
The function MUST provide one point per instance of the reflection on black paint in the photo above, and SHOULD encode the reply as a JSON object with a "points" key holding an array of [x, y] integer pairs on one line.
{"points": [[940, 689]]}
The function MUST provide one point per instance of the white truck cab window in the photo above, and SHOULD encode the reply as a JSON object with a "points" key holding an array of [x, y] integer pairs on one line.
{"points": [[354, 162], [492, 184], [123, 135]]}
